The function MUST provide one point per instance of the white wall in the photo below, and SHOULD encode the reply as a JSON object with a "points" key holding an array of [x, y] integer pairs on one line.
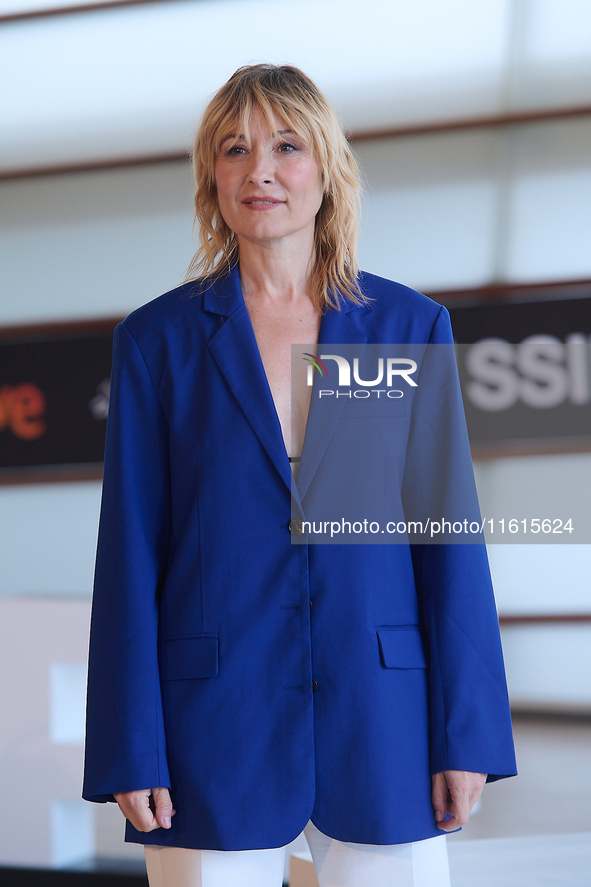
{"points": [[548, 665], [93, 244], [439, 212], [133, 80], [48, 534], [463, 209]]}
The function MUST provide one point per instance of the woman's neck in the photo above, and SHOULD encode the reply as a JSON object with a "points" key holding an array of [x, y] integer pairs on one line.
{"points": [[275, 273]]}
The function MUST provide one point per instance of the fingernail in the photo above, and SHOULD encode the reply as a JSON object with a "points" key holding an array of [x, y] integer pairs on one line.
{"points": [[167, 822]]}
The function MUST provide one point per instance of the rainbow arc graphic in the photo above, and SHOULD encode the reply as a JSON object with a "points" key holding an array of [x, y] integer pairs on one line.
{"points": [[315, 363]]}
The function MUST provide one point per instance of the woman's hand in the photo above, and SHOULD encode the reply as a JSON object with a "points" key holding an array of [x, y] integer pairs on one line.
{"points": [[455, 792], [147, 809]]}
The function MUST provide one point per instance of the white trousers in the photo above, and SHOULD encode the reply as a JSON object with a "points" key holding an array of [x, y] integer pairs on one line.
{"points": [[337, 864]]}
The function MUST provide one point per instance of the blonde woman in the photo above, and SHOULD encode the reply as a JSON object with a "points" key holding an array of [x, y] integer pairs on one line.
{"points": [[265, 688]]}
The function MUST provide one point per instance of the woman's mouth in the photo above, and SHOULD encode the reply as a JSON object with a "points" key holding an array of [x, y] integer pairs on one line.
{"points": [[261, 202]]}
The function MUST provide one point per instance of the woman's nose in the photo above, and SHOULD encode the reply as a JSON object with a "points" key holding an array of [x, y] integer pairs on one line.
{"points": [[262, 168]]}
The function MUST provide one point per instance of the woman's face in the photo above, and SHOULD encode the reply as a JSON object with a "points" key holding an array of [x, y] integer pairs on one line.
{"points": [[271, 188]]}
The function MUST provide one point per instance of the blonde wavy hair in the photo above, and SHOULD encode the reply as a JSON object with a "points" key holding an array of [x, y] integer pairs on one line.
{"points": [[286, 92]]}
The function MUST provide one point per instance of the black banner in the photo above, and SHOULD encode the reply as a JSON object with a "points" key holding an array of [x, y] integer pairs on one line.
{"points": [[525, 370], [54, 395]]}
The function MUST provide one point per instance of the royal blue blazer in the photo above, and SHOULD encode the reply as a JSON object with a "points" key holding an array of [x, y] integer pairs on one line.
{"points": [[265, 682]]}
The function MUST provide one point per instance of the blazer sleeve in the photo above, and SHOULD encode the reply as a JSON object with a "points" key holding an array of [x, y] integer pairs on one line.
{"points": [[125, 742], [469, 706]]}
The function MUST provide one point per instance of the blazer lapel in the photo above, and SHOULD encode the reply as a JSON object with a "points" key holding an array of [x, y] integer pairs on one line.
{"points": [[336, 328], [235, 350]]}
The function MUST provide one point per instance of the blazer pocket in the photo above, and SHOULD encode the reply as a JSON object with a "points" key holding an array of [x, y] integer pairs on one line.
{"points": [[189, 658], [401, 646]]}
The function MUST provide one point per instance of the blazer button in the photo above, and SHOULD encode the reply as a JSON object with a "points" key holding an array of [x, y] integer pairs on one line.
{"points": [[296, 526], [314, 685]]}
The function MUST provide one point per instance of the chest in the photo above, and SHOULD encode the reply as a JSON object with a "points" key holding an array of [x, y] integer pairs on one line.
{"points": [[276, 334]]}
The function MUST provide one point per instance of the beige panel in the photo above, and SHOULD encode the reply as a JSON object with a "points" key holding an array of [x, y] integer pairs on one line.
{"points": [[302, 873], [33, 634]]}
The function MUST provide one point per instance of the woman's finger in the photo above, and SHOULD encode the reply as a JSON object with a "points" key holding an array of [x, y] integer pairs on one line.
{"points": [[135, 806], [163, 808]]}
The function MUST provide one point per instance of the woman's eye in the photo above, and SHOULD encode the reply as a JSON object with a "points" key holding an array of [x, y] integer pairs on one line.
{"points": [[235, 150], [287, 147]]}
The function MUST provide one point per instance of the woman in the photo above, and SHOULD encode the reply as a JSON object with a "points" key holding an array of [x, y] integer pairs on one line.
{"points": [[269, 684]]}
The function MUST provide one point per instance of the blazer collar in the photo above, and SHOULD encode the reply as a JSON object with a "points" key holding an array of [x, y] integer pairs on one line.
{"points": [[235, 350], [224, 295]]}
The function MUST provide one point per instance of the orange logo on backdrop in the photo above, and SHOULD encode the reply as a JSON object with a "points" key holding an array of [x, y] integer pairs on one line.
{"points": [[21, 408]]}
